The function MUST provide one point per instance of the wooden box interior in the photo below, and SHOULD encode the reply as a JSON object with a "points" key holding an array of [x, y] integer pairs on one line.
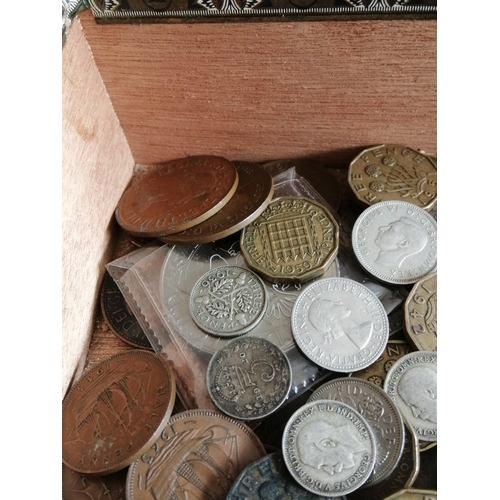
{"points": [[143, 94]]}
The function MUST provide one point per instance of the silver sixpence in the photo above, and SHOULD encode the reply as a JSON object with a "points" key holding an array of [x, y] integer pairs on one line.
{"points": [[328, 448], [412, 384], [340, 324], [396, 242], [249, 378], [381, 414], [228, 301]]}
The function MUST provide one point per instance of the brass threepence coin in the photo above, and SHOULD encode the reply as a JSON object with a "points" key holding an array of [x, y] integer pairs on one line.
{"points": [[249, 378], [393, 172], [381, 414], [414, 494], [199, 454], [340, 324], [294, 240], [316, 174], [377, 371], [116, 411], [254, 192], [268, 478], [76, 486], [176, 196], [412, 384], [403, 476], [118, 315], [421, 314], [396, 242], [228, 301], [183, 267], [329, 448]]}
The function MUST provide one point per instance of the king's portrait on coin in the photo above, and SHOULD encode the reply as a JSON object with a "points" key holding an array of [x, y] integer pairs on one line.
{"points": [[332, 319], [399, 240], [418, 389], [324, 446]]}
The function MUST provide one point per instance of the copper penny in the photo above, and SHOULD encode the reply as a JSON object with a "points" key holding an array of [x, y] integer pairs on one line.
{"points": [[254, 192], [177, 195], [119, 317], [76, 486], [116, 411], [199, 454], [316, 174]]}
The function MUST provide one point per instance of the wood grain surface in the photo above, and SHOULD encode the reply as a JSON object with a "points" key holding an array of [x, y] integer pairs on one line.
{"points": [[262, 91], [96, 167]]}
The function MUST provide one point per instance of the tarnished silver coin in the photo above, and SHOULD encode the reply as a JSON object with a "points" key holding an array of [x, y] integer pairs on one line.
{"points": [[340, 324], [228, 301], [268, 478], [412, 384], [396, 242], [380, 412], [185, 264], [329, 448], [249, 378]]}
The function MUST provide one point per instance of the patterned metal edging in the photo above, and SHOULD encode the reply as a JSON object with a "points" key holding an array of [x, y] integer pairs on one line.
{"points": [[265, 10]]}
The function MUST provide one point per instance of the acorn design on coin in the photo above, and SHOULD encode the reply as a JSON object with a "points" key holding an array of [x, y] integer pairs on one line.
{"points": [[228, 301]]}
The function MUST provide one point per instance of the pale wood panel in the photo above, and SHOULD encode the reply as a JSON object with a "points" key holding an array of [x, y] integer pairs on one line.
{"points": [[260, 91], [96, 166]]}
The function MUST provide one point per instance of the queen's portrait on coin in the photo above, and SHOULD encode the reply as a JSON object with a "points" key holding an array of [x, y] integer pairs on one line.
{"points": [[418, 389], [399, 240], [332, 319], [324, 446]]}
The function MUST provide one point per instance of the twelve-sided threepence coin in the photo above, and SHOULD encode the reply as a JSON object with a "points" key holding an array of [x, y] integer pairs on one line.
{"points": [[228, 301], [294, 240], [249, 378], [396, 242], [380, 412], [340, 324], [329, 448], [412, 384]]}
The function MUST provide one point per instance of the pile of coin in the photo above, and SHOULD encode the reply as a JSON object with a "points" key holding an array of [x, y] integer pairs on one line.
{"points": [[364, 432]]}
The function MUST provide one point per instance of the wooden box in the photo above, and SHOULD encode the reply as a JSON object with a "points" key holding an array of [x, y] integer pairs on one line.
{"points": [[144, 94]]}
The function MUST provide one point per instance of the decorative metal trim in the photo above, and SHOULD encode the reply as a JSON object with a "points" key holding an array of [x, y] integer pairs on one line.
{"points": [[263, 10]]}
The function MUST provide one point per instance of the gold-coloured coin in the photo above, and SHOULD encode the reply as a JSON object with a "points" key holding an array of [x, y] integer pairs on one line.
{"points": [[392, 172], [294, 240], [421, 314]]}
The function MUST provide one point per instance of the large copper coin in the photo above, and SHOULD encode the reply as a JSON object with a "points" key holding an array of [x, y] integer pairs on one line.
{"points": [[177, 195], [255, 190], [199, 454], [316, 174], [119, 317], [392, 172], [116, 411], [294, 240], [76, 486]]}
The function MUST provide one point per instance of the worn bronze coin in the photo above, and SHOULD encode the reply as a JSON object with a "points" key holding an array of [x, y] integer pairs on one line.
{"points": [[294, 240], [421, 314], [254, 192], [116, 411], [76, 486], [269, 478], [249, 378], [199, 454], [316, 174], [392, 172], [119, 317], [177, 195]]}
